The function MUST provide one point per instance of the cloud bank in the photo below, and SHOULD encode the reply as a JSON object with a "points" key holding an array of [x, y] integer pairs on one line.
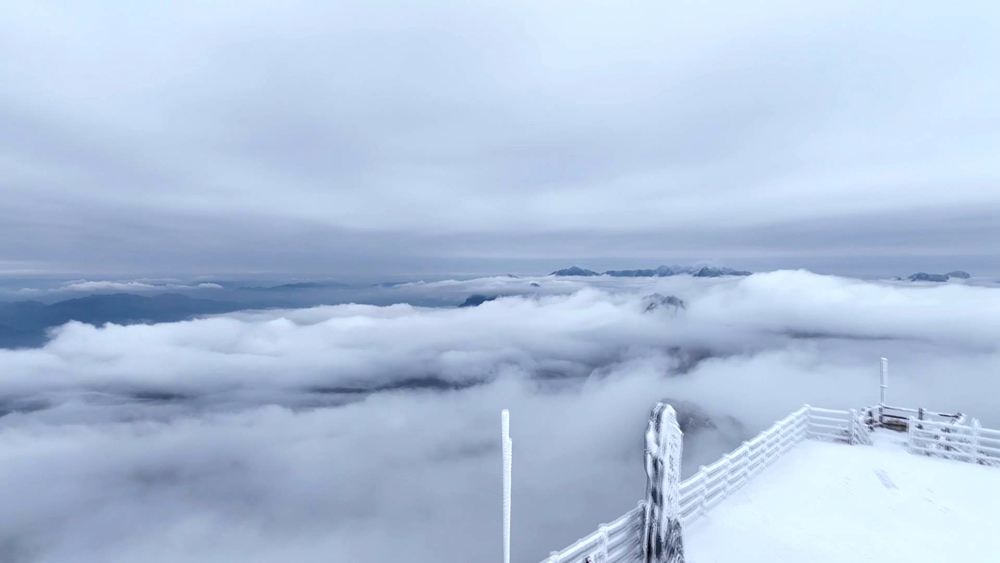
{"points": [[365, 433], [77, 287]]}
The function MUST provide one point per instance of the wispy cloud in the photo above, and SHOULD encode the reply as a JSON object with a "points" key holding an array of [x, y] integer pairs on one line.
{"points": [[105, 286]]}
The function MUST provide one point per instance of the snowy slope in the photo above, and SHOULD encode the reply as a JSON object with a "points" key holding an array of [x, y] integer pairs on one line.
{"points": [[825, 502]]}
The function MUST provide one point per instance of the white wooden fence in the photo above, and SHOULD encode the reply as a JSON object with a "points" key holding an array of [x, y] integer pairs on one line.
{"points": [[620, 542], [971, 443]]}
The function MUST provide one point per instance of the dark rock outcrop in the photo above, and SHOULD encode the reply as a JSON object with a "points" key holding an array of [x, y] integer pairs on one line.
{"points": [[959, 274], [656, 301]]}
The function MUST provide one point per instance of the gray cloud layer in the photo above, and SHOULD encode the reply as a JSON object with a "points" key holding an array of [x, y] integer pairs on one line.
{"points": [[379, 136], [239, 437]]}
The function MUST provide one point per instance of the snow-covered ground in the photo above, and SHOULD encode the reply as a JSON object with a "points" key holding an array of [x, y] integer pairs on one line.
{"points": [[825, 502]]}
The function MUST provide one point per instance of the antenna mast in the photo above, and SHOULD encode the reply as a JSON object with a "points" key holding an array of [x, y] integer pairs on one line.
{"points": [[507, 451]]}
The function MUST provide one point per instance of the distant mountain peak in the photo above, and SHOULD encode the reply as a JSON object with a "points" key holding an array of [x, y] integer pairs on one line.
{"points": [[660, 271], [959, 274], [296, 286], [477, 300], [925, 277], [574, 271]]}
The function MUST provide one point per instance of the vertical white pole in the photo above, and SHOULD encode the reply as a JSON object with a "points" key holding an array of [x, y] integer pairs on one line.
{"points": [[883, 379], [507, 454]]}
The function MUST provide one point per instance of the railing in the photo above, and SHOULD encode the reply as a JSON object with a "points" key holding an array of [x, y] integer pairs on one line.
{"points": [[860, 430], [620, 541], [947, 436], [896, 418], [713, 483], [973, 443], [611, 543]]}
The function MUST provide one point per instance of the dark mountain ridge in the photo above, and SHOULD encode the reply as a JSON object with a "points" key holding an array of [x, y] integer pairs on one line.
{"points": [[660, 272]]}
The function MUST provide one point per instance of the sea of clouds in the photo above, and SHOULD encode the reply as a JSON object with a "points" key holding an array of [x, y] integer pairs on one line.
{"points": [[362, 433]]}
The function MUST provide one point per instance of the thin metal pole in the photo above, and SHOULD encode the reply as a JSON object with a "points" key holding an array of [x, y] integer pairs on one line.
{"points": [[507, 454]]}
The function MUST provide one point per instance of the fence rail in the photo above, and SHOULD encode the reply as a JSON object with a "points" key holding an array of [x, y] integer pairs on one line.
{"points": [[713, 483], [972, 443], [897, 418], [948, 436], [620, 541]]}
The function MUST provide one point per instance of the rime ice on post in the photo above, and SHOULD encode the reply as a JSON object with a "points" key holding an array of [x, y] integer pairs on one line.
{"points": [[507, 454], [883, 379], [661, 541]]}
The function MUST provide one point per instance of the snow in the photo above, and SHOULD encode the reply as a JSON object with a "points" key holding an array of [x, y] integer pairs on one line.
{"points": [[827, 502]]}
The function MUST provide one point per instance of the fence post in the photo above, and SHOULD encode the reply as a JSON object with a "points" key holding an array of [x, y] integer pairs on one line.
{"points": [[808, 418], [746, 462], [975, 440], [702, 489], [911, 435], [662, 541], [729, 474], [602, 544], [852, 426]]}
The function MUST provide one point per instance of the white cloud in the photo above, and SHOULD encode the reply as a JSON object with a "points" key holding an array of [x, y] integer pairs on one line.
{"points": [[108, 286], [203, 441]]}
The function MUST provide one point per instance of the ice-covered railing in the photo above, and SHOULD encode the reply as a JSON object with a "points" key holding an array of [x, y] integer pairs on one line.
{"points": [[970, 443], [611, 543], [621, 541], [897, 418]]}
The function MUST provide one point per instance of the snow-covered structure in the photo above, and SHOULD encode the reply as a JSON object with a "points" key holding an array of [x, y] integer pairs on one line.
{"points": [[799, 491]]}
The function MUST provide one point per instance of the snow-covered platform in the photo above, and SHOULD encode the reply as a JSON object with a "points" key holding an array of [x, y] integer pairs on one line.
{"points": [[828, 502]]}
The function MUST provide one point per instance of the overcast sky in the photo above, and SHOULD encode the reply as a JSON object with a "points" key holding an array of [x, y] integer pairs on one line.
{"points": [[376, 137]]}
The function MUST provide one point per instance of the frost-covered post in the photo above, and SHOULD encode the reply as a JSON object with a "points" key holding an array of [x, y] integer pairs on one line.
{"points": [[661, 541], [746, 462], [853, 426], [602, 544], [975, 439], [883, 379], [729, 474], [507, 455], [702, 489], [911, 435]]}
